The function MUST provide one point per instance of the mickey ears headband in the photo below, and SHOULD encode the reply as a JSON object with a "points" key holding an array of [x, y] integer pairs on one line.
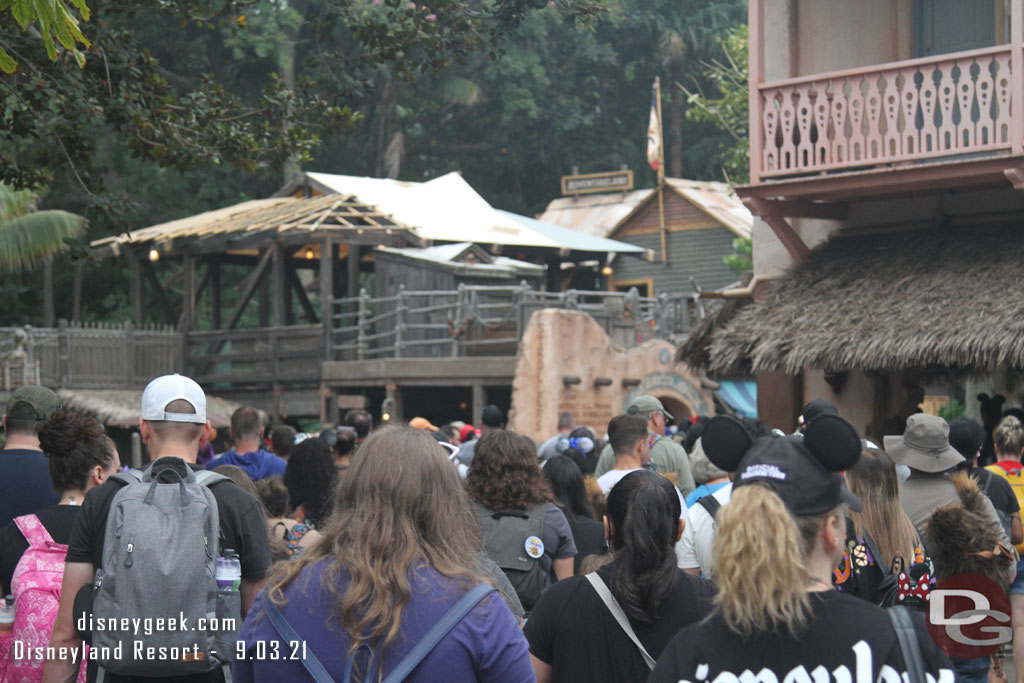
{"points": [[829, 438], [581, 443]]}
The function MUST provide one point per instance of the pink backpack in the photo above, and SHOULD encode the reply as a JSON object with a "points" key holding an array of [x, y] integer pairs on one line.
{"points": [[36, 588]]}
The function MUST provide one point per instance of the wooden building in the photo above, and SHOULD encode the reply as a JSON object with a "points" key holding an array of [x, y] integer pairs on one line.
{"points": [[701, 220], [887, 243]]}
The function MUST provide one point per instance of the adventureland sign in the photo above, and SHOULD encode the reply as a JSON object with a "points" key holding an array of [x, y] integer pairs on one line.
{"points": [[614, 181]]}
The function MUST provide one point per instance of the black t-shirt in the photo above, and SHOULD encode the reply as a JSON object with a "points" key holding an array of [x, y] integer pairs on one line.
{"points": [[846, 639], [57, 519], [242, 527], [588, 534], [25, 485], [572, 630], [999, 490]]}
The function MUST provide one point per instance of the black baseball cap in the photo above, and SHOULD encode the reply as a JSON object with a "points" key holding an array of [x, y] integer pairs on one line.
{"points": [[802, 471], [966, 436], [492, 416]]}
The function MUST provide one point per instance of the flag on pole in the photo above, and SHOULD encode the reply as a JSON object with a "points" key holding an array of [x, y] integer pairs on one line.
{"points": [[654, 134]]}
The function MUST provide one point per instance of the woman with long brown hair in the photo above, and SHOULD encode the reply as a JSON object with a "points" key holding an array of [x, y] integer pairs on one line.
{"points": [[395, 556], [776, 615], [523, 531], [881, 535]]}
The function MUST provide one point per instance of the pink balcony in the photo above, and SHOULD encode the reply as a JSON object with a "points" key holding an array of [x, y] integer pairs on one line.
{"points": [[940, 121], [931, 108]]}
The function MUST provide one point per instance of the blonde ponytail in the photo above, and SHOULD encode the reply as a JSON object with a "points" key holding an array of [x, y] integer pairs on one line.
{"points": [[1009, 438], [759, 563]]}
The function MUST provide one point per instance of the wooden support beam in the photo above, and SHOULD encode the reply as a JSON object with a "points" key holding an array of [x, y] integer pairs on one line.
{"points": [[300, 293], [280, 286], [76, 293], [326, 276], [782, 229], [170, 317], [248, 287], [188, 305], [214, 272], [803, 208], [204, 282], [352, 265], [479, 401], [138, 288]]}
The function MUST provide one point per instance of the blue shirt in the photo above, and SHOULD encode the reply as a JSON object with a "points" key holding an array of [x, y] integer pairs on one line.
{"points": [[25, 485], [701, 491], [258, 464], [487, 645]]}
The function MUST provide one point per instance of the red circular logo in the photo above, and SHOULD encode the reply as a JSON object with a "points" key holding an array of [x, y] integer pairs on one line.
{"points": [[969, 616]]}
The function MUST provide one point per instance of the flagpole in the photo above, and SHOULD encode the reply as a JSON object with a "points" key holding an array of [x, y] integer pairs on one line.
{"points": [[661, 173]]}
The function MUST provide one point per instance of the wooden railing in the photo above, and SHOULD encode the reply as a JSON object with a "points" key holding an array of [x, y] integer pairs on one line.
{"points": [[256, 356], [944, 106], [490, 321], [88, 356]]}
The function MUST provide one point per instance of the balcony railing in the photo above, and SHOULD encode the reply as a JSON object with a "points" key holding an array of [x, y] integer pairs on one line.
{"points": [[946, 106]]}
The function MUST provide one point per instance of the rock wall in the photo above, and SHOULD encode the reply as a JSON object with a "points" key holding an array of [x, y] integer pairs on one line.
{"points": [[561, 347]]}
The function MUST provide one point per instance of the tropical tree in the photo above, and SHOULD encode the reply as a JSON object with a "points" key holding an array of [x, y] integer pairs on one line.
{"points": [[28, 235]]}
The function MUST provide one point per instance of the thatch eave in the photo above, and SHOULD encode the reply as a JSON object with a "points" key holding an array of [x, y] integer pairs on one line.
{"points": [[948, 298]]}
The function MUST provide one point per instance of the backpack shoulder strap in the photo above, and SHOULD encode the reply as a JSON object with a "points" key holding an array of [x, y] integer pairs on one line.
{"points": [[34, 532], [876, 553], [906, 638], [988, 484], [437, 632], [132, 476], [620, 617], [711, 504], [209, 478], [284, 629]]}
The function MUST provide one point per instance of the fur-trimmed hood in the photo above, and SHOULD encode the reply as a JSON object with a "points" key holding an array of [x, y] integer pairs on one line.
{"points": [[955, 535]]}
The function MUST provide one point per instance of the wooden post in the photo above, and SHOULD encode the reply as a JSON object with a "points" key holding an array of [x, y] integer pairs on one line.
{"points": [[280, 290], [264, 295], [479, 401], [400, 322], [188, 305], [129, 355], [49, 314], [1017, 73], [755, 47], [76, 294], [214, 267], [361, 326], [352, 265], [327, 295], [394, 392], [138, 289], [661, 173], [63, 369]]}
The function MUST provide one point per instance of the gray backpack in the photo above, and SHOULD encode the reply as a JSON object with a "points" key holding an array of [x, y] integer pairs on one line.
{"points": [[505, 534], [159, 559]]}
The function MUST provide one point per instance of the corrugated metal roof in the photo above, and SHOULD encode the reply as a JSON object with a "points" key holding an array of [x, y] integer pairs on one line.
{"points": [[580, 240], [594, 214], [601, 214], [448, 209], [445, 253]]}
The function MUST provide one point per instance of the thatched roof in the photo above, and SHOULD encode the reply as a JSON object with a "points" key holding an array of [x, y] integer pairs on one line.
{"points": [[949, 298], [695, 350], [120, 408]]}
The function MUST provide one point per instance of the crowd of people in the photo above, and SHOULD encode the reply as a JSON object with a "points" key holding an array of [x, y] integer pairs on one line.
{"points": [[720, 550]]}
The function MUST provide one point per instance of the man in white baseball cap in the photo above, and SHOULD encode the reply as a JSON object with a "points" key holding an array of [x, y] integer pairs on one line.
{"points": [[172, 419]]}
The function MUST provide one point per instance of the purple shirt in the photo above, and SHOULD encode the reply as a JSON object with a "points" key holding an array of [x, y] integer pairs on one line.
{"points": [[487, 645]]}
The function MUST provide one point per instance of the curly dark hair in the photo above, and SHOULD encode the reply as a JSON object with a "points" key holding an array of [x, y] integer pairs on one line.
{"points": [[311, 478], [75, 443], [505, 473]]}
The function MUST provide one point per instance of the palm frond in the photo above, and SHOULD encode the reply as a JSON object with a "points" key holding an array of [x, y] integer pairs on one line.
{"points": [[26, 240]]}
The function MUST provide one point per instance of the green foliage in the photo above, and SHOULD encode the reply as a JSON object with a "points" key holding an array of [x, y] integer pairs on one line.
{"points": [[742, 258], [952, 410], [27, 235], [56, 19], [727, 109]]}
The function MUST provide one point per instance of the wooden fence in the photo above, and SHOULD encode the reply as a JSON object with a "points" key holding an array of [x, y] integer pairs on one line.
{"points": [[89, 355], [256, 356], [490, 321]]}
